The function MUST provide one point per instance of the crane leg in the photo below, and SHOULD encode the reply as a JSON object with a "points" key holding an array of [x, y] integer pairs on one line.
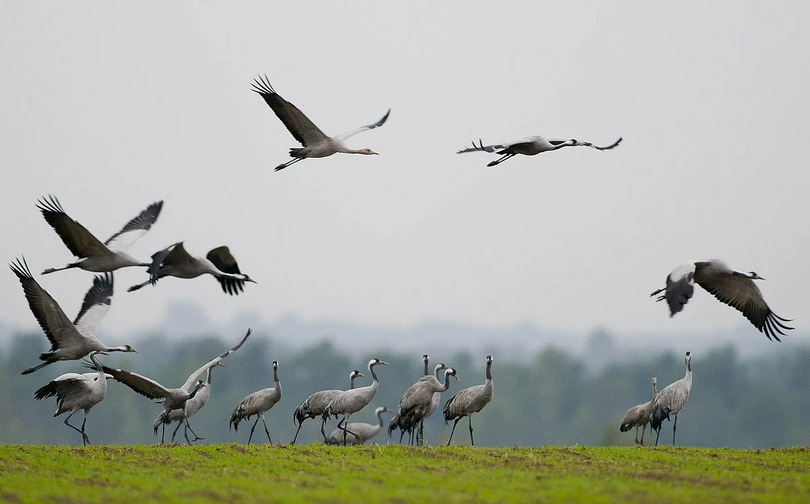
{"points": [[267, 431], [85, 439], [175, 430], [642, 434], [501, 159], [196, 437], [674, 426], [288, 163], [420, 438], [453, 430], [323, 433], [252, 428], [469, 419], [296, 433]]}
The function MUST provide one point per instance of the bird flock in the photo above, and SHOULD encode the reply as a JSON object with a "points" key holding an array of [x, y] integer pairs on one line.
{"points": [[76, 340]]}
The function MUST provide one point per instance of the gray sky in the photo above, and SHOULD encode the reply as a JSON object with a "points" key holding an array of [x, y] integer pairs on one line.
{"points": [[110, 106]]}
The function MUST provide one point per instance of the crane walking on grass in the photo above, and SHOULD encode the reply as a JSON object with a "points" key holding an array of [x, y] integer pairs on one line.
{"points": [[315, 405], [258, 403], [76, 392], [352, 401], [315, 142], [670, 400], [469, 401], [416, 402], [69, 340]]}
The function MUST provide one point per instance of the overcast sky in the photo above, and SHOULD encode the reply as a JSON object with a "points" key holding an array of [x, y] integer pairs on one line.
{"points": [[111, 106]]}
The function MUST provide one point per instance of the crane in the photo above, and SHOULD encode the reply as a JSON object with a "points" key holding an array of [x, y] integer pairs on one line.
{"points": [[172, 398], [196, 403], [360, 431], [316, 404], [258, 403], [733, 288], [530, 146], [670, 400], [639, 415], [416, 402], [315, 143], [69, 340], [76, 392], [352, 401], [92, 253], [175, 261], [468, 401]]}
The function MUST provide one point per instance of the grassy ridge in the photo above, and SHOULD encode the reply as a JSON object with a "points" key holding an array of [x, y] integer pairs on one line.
{"points": [[394, 473]]}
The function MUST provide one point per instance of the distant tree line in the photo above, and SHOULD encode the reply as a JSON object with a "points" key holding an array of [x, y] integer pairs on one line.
{"points": [[550, 398]]}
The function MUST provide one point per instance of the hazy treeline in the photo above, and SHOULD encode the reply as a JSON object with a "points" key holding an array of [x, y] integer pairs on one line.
{"points": [[550, 398]]}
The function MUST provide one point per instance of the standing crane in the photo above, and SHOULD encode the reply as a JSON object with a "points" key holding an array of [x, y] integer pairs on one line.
{"points": [[468, 401], [172, 398], [670, 400], [416, 402], [639, 415], [196, 403], [316, 404], [175, 261], [733, 288], [94, 255], [352, 401], [258, 403], [360, 431], [76, 392], [315, 143], [69, 340], [530, 146]]}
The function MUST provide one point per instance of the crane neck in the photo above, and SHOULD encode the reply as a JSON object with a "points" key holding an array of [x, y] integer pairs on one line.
{"points": [[373, 374], [489, 370], [97, 364], [427, 370]]}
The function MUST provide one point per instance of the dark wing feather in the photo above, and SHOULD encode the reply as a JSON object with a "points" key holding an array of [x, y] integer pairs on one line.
{"points": [[481, 147], [222, 258], [51, 318], [299, 125], [192, 379], [678, 292], [135, 228], [742, 294], [171, 255], [76, 237], [140, 384], [96, 303]]}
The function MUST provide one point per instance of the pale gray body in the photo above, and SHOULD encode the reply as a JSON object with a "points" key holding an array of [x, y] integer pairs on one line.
{"points": [[358, 432], [639, 415], [75, 392], [352, 401], [69, 340], [468, 401], [417, 400], [258, 403], [315, 405], [670, 400]]}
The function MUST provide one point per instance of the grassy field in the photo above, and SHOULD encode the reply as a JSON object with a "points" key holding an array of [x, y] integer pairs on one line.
{"points": [[394, 473]]}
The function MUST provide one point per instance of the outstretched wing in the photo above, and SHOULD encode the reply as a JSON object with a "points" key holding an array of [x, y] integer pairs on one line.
{"points": [[222, 258], [481, 147], [76, 237], [140, 384], [53, 321], [606, 147], [172, 255], [192, 379], [135, 228], [344, 136], [299, 125], [95, 305]]}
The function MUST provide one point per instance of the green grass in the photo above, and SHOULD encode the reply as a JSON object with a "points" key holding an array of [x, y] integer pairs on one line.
{"points": [[394, 473]]}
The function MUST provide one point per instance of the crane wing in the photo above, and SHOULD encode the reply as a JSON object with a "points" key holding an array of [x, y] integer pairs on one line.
{"points": [[299, 125], [172, 255], [742, 294], [192, 379], [344, 136], [680, 287], [222, 258], [589, 144], [481, 147], [53, 321], [140, 384], [96, 303], [76, 237], [135, 228]]}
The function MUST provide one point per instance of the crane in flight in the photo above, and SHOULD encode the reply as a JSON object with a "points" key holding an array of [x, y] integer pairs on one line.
{"points": [[530, 146]]}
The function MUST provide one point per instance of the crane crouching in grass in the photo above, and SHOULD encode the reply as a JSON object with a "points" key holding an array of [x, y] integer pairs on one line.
{"points": [[360, 432], [639, 415]]}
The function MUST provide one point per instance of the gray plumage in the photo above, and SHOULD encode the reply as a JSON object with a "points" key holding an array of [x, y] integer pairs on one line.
{"points": [[416, 402], [197, 402], [175, 261], [172, 398], [733, 288], [315, 142], [639, 415], [530, 146], [258, 403], [670, 400], [76, 392], [69, 340], [358, 432], [94, 255], [352, 401], [468, 401], [315, 405]]}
